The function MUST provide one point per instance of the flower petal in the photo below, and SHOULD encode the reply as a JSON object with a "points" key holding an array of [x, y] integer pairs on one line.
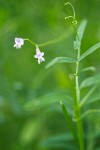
{"points": [[35, 56], [42, 53], [39, 61], [19, 41], [43, 59]]}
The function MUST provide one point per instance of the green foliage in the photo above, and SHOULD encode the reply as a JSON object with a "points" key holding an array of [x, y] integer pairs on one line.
{"points": [[81, 29], [30, 95], [52, 98], [59, 141], [93, 98], [91, 68], [89, 51], [91, 81], [61, 60], [69, 122]]}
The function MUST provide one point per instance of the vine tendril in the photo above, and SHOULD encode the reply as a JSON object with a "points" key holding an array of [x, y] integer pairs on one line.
{"points": [[72, 17]]}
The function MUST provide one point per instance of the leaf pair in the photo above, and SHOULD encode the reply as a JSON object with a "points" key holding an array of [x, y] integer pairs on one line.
{"points": [[80, 31], [72, 60]]}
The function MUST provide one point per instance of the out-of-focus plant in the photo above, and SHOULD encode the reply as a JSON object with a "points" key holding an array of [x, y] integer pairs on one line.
{"points": [[74, 121]]}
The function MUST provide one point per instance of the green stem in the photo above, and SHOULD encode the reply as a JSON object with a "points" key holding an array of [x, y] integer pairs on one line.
{"points": [[56, 40], [74, 27], [53, 41], [77, 88], [77, 110], [77, 100], [34, 44]]}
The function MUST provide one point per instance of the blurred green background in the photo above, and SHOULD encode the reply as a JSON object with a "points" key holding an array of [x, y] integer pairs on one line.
{"points": [[30, 113]]}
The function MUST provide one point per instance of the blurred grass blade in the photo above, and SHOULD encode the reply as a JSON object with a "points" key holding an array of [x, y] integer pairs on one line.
{"points": [[91, 81], [81, 29], [29, 131], [48, 100], [91, 68], [87, 95], [61, 141], [89, 51], [80, 32], [91, 111], [69, 121], [60, 60], [94, 98]]}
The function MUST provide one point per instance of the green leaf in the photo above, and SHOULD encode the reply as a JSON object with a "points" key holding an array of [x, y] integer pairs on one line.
{"points": [[60, 60], [47, 100], [89, 51], [91, 68], [94, 98], [29, 130], [80, 32], [91, 81], [69, 121], [87, 95], [58, 141], [91, 111], [81, 29]]}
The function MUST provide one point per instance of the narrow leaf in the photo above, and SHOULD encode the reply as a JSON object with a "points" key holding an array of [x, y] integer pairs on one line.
{"points": [[81, 29], [47, 100], [94, 98], [80, 32], [89, 51], [58, 141], [69, 121], [91, 81], [89, 112], [87, 95], [91, 68], [60, 60]]}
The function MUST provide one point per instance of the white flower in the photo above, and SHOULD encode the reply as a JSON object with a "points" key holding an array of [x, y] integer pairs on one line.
{"points": [[18, 42], [39, 55]]}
